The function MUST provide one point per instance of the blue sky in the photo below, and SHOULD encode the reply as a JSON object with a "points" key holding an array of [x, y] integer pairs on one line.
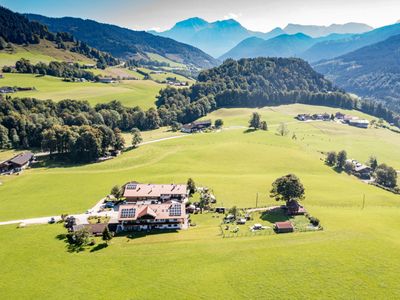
{"points": [[260, 15]]}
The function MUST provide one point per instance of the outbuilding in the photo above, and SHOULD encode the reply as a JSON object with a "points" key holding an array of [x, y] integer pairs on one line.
{"points": [[283, 227]]}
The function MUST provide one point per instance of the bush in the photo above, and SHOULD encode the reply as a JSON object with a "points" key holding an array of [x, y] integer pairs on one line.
{"points": [[314, 221]]}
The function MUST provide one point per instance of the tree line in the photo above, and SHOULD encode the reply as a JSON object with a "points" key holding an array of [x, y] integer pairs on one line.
{"points": [[384, 175], [251, 83], [69, 126], [260, 82], [54, 68]]}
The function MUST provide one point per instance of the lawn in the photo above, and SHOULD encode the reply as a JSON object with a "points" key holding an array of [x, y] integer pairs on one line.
{"points": [[355, 256], [129, 92]]}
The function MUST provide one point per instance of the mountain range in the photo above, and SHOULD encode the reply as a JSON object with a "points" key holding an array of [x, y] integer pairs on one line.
{"points": [[125, 43], [284, 45], [308, 48], [217, 38], [372, 71], [318, 31], [214, 38]]}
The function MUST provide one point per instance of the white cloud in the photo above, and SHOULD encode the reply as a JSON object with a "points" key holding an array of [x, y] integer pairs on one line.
{"points": [[232, 15]]}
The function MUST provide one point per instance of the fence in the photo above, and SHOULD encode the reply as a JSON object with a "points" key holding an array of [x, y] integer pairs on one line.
{"points": [[263, 232]]}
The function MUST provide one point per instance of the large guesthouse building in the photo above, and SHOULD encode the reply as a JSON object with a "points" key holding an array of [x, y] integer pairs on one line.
{"points": [[153, 206]]}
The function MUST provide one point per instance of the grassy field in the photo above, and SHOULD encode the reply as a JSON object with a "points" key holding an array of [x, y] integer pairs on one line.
{"points": [[356, 256], [159, 58], [43, 52], [129, 92]]}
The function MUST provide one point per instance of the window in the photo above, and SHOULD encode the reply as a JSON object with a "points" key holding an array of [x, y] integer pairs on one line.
{"points": [[175, 210], [128, 213]]}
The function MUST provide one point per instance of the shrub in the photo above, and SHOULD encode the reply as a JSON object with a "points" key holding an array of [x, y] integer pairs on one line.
{"points": [[314, 220]]}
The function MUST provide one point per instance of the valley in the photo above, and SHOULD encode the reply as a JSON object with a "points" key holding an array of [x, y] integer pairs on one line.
{"points": [[168, 163], [212, 159]]}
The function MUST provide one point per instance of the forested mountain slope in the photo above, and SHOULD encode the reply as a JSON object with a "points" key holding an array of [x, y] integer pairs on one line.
{"points": [[125, 43], [372, 71]]}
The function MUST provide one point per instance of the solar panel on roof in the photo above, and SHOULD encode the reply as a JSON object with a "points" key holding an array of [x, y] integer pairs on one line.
{"points": [[131, 186], [128, 212]]}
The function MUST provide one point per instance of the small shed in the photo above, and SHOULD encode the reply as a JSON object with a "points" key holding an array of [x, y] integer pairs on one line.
{"points": [[220, 210], [283, 227], [241, 221]]}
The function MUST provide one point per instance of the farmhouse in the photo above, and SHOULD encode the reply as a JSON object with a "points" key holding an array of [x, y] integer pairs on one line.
{"points": [[196, 126], [17, 163], [360, 170], [359, 123], [153, 206], [139, 193], [106, 80], [167, 215], [283, 227]]}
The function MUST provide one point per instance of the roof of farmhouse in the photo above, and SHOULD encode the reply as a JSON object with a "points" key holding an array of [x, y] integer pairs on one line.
{"points": [[153, 190], [170, 210]]}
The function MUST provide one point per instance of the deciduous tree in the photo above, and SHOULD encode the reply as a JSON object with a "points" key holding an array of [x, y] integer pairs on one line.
{"points": [[287, 188]]}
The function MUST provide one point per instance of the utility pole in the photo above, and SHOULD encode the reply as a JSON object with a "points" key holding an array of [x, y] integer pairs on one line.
{"points": [[363, 204]]}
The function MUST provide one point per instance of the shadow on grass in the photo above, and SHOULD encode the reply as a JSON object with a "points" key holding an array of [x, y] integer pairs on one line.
{"points": [[142, 234], [71, 248], [61, 236], [275, 215], [99, 247], [249, 130], [56, 162]]}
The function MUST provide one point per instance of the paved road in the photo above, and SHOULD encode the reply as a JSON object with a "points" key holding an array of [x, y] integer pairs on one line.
{"points": [[80, 218]]}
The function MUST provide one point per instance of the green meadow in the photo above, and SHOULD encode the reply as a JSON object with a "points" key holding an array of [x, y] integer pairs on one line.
{"points": [[45, 52], [129, 92], [354, 257]]}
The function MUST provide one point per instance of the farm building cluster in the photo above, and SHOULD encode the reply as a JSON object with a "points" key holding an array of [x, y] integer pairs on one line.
{"points": [[144, 207], [340, 117], [17, 163], [360, 170], [197, 126]]}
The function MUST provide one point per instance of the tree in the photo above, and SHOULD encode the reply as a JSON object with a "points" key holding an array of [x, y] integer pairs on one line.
{"points": [[255, 120], [136, 137], [106, 236], [373, 163], [81, 237], [386, 176], [176, 126], [219, 123], [341, 159], [287, 188], [4, 140], [119, 140], [264, 125], [191, 186], [116, 191], [348, 167], [282, 129], [234, 211], [331, 158]]}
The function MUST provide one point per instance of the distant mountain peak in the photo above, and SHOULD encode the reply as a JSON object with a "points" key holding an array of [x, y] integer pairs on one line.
{"points": [[191, 22]]}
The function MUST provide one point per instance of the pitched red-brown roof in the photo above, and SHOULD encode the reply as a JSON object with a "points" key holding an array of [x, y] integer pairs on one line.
{"points": [[284, 225]]}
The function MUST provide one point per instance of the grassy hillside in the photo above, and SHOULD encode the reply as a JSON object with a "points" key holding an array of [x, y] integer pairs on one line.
{"points": [[236, 164], [129, 92], [44, 52]]}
